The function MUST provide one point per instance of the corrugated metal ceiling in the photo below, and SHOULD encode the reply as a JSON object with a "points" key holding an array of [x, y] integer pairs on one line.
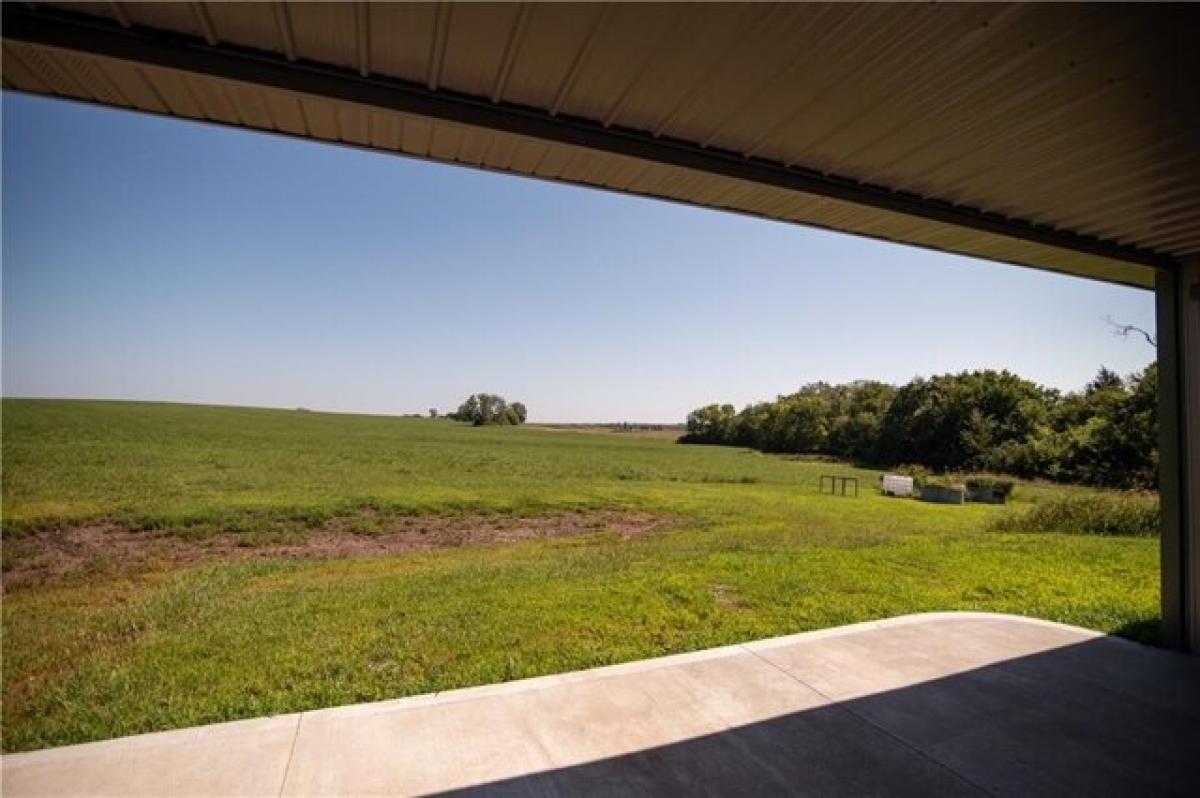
{"points": [[1081, 118]]}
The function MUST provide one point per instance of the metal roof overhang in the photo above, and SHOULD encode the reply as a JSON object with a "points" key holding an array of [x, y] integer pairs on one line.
{"points": [[1058, 137]]}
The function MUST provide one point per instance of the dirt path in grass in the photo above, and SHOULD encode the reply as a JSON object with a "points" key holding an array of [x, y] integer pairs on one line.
{"points": [[68, 553]]}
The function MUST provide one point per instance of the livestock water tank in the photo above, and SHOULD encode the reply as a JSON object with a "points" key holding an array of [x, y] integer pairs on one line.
{"points": [[943, 494]]}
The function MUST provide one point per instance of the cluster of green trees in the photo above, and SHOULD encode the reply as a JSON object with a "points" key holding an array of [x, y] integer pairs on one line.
{"points": [[483, 409], [995, 421]]}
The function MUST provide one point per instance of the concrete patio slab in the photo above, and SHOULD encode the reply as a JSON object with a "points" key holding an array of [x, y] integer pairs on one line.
{"points": [[937, 704]]}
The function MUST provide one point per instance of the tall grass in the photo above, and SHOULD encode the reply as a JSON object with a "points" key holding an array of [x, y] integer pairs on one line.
{"points": [[1133, 514]]}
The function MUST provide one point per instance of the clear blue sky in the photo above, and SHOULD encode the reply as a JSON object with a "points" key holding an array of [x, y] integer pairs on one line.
{"points": [[148, 258]]}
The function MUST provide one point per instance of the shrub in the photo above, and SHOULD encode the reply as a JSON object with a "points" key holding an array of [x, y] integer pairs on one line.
{"points": [[919, 473], [1002, 486], [941, 481], [1133, 514]]}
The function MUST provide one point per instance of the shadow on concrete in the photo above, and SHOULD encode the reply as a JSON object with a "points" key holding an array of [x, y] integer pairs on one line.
{"points": [[1104, 717]]}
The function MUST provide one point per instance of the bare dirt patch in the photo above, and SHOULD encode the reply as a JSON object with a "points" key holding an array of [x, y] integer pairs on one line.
{"points": [[66, 553]]}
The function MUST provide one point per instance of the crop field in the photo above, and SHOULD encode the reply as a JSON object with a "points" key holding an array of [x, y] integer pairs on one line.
{"points": [[172, 565]]}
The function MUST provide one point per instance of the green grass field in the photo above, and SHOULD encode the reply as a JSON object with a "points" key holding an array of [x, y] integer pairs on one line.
{"points": [[746, 548]]}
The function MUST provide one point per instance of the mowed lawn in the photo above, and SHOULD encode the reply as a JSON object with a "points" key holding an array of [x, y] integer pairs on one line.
{"points": [[745, 548]]}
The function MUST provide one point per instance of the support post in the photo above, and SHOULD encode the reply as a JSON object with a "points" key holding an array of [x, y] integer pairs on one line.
{"points": [[1178, 316]]}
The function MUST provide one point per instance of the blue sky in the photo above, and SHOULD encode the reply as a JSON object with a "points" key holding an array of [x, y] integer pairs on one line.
{"points": [[149, 258]]}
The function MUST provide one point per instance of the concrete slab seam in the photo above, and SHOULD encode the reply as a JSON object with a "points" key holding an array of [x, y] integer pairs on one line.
{"points": [[287, 769], [863, 719]]}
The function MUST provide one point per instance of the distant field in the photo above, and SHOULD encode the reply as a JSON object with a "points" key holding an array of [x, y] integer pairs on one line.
{"points": [[657, 432], [170, 565]]}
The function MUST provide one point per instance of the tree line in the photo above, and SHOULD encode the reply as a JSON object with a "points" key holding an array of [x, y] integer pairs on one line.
{"points": [[485, 409], [1104, 435]]}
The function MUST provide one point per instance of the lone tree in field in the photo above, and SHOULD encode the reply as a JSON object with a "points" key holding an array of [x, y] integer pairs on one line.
{"points": [[483, 409]]}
